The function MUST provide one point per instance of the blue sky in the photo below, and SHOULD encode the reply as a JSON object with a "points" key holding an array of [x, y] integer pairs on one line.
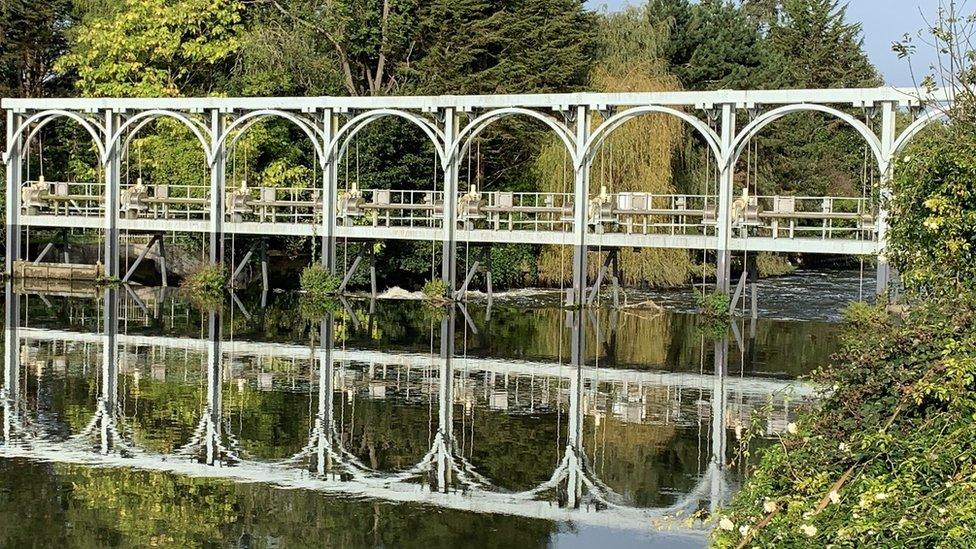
{"points": [[884, 22]]}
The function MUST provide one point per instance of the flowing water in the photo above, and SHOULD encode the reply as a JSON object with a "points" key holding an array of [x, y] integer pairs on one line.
{"points": [[133, 417]]}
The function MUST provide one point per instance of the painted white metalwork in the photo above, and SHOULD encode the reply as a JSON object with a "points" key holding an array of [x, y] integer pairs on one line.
{"points": [[458, 217]]}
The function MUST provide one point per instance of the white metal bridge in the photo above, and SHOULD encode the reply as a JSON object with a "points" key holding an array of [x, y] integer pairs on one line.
{"points": [[584, 218]]}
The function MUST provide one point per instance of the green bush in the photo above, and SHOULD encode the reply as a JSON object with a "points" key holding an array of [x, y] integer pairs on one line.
{"points": [[435, 289], [713, 305], [210, 280], [206, 286], [317, 281], [932, 236], [888, 458]]}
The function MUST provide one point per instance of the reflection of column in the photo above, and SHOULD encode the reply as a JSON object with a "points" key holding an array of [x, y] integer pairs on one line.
{"points": [[110, 328], [213, 410], [445, 416], [574, 441], [11, 361], [719, 433], [325, 418]]}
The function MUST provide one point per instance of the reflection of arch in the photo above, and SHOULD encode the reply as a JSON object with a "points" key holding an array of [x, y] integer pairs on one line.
{"points": [[194, 126], [914, 129], [754, 127], [46, 117], [358, 122], [479, 124], [253, 117], [612, 123]]}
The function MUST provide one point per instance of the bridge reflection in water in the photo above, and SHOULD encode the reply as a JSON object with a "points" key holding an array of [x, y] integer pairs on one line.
{"points": [[586, 402]]}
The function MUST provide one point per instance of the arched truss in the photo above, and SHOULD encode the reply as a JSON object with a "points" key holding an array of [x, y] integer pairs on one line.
{"points": [[612, 123], [751, 130], [244, 122], [914, 129], [140, 120], [44, 118], [463, 141], [360, 121]]}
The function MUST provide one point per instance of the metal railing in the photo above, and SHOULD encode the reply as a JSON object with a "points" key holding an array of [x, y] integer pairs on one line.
{"points": [[633, 213]]}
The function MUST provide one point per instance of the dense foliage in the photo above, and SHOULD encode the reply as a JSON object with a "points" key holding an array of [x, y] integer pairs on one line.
{"points": [[933, 208], [889, 458]]}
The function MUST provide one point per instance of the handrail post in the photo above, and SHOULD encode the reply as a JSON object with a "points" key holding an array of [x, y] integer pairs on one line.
{"points": [[724, 221], [14, 182]]}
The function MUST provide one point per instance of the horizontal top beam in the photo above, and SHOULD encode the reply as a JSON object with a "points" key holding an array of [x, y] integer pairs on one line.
{"points": [[700, 99]]}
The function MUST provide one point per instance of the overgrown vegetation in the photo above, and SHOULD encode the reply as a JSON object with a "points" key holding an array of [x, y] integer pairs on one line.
{"points": [[888, 456], [317, 282], [435, 290], [206, 286]]}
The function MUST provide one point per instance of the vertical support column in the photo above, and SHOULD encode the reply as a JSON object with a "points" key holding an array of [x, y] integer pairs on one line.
{"points": [[14, 183], [888, 136], [725, 184], [449, 247], [217, 186], [113, 182], [581, 196], [329, 190]]}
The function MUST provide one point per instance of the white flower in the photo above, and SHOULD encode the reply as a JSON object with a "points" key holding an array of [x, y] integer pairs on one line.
{"points": [[726, 524], [809, 529], [842, 447], [791, 428], [880, 496], [743, 530], [769, 506], [834, 497]]}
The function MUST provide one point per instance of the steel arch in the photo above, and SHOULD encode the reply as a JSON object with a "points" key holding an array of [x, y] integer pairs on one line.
{"points": [[479, 124], [611, 124], [360, 121], [247, 120], [46, 117], [754, 127], [193, 125], [913, 130]]}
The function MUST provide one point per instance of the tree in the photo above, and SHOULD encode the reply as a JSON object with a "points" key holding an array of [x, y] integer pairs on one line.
{"points": [[819, 47], [155, 48], [714, 45]]}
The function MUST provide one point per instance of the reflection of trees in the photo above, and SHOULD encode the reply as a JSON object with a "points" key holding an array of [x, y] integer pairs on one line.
{"points": [[384, 434], [268, 424], [122, 507], [515, 452]]}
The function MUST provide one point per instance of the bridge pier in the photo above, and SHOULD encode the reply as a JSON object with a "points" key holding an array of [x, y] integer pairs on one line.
{"points": [[113, 182], [888, 138], [724, 218], [217, 187], [329, 191], [14, 184], [581, 186], [449, 223]]}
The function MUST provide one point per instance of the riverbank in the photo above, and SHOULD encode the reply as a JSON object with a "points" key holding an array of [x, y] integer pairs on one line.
{"points": [[888, 457]]}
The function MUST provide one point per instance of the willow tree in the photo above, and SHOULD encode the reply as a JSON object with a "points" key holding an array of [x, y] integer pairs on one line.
{"points": [[637, 157]]}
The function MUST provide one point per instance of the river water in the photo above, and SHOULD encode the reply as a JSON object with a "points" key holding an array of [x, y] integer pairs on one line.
{"points": [[134, 417]]}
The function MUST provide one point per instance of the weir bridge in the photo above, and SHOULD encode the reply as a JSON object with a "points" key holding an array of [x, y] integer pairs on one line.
{"points": [[724, 220]]}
